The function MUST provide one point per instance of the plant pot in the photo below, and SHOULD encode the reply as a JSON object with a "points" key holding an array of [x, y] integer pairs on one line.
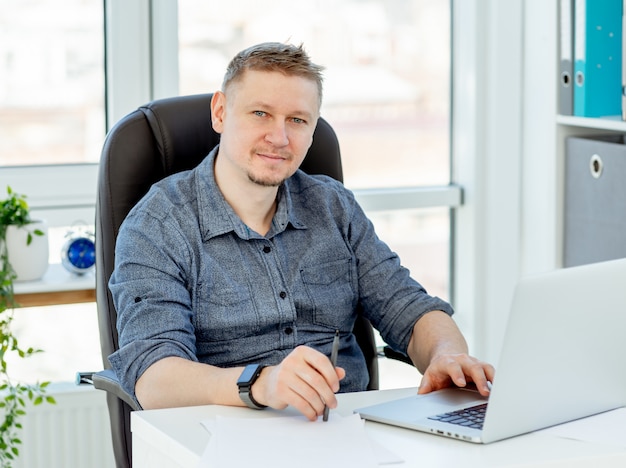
{"points": [[29, 262]]}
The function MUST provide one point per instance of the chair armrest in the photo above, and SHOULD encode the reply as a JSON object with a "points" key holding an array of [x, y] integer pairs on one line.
{"points": [[393, 354], [107, 380]]}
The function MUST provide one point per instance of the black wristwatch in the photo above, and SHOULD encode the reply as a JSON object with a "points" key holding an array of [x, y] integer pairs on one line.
{"points": [[245, 381]]}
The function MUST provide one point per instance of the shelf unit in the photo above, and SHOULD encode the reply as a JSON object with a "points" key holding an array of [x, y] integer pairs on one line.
{"points": [[610, 123]]}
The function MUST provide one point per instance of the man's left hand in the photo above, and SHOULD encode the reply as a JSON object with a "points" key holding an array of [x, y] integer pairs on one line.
{"points": [[457, 369]]}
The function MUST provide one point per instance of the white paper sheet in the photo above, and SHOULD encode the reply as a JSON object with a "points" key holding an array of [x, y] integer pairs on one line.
{"points": [[292, 441], [606, 428]]}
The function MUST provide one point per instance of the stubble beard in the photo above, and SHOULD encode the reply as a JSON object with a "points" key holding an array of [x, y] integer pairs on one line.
{"points": [[265, 182], [268, 180]]}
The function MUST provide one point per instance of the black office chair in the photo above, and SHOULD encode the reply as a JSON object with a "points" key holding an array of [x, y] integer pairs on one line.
{"points": [[159, 139]]}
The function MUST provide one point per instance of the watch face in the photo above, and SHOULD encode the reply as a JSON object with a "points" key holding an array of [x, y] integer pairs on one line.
{"points": [[249, 374], [81, 253]]}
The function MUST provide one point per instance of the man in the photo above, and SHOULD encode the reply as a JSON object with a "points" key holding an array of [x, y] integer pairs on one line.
{"points": [[247, 264]]}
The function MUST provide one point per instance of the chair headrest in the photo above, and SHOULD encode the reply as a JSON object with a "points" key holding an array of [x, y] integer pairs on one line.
{"points": [[182, 142]]}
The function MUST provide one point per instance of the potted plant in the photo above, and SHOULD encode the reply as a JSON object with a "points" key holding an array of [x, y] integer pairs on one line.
{"points": [[14, 211], [24, 240]]}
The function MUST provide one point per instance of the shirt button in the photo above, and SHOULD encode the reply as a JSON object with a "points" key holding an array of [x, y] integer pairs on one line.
{"points": [[267, 249], [282, 294], [288, 331]]}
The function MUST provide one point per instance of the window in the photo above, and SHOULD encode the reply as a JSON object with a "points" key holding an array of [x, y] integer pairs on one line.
{"points": [[51, 82], [52, 126], [52, 98]]}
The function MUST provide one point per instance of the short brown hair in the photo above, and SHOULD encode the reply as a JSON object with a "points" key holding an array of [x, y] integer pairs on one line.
{"points": [[274, 56]]}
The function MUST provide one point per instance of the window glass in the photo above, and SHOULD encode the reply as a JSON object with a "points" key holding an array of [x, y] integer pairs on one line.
{"points": [[51, 81], [386, 81], [421, 238]]}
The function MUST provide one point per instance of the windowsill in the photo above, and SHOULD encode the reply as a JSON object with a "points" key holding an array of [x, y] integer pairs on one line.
{"points": [[57, 286]]}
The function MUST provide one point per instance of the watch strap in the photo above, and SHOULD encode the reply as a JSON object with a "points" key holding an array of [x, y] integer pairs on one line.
{"points": [[245, 388], [246, 397]]}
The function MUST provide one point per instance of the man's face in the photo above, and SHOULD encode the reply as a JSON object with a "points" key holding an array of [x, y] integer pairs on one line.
{"points": [[266, 121]]}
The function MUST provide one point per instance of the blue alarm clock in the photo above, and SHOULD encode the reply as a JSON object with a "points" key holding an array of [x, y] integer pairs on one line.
{"points": [[78, 254]]}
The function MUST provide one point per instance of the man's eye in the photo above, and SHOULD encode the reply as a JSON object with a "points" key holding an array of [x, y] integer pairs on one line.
{"points": [[298, 120], [259, 113]]}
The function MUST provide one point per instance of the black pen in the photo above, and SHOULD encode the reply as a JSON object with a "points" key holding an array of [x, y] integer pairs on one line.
{"points": [[333, 361]]}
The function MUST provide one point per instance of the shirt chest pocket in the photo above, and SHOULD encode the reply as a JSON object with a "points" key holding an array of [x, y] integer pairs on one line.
{"points": [[331, 293], [225, 311]]}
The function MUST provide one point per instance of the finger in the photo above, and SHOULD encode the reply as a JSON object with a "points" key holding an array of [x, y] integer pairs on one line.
{"points": [[458, 376], [307, 381], [290, 389], [324, 367], [482, 375], [303, 405], [442, 373], [321, 389], [449, 370], [311, 387], [425, 386]]}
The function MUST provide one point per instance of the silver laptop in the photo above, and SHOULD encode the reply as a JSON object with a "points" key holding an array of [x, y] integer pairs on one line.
{"points": [[563, 358]]}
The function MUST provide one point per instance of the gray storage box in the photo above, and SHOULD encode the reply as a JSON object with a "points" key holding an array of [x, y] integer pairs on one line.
{"points": [[595, 199]]}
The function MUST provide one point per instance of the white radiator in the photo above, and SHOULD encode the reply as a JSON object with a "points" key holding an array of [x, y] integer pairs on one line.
{"points": [[74, 433]]}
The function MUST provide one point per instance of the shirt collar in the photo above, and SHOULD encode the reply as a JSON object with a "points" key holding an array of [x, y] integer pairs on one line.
{"points": [[286, 215], [216, 216]]}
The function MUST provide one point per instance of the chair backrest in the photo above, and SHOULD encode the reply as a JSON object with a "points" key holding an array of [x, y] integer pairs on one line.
{"points": [[159, 139]]}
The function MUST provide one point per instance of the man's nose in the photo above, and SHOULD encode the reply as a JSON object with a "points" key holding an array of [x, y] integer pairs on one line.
{"points": [[277, 134]]}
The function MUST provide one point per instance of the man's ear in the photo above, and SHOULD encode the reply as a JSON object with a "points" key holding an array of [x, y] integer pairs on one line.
{"points": [[218, 107]]}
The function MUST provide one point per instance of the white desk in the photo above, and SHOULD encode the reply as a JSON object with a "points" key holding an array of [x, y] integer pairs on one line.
{"points": [[175, 438]]}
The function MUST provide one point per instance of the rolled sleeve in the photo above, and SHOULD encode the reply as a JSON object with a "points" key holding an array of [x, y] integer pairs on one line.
{"points": [[150, 294], [391, 299], [133, 359]]}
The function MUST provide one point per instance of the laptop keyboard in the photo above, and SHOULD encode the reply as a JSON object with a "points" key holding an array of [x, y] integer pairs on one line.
{"points": [[473, 416]]}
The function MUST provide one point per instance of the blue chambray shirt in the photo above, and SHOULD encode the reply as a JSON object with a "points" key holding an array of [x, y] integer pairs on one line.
{"points": [[191, 280]]}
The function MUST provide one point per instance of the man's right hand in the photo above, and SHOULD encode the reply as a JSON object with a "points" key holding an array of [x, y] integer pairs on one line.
{"points": [[305, 380]]}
